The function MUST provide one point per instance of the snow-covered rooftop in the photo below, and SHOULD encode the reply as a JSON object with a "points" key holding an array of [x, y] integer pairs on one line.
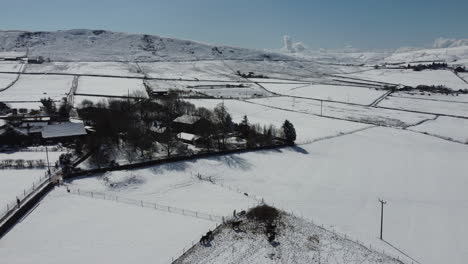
{"points": [[187, 119], [187, 136], [63, 130]]}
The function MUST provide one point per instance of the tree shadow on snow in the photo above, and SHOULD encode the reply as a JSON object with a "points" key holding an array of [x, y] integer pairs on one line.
{"points": [[300, 150], [173, 166], [233, 161]]}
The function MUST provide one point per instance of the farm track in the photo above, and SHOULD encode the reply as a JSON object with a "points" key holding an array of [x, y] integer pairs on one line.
{"points": [[381, 98], [18, 75]]}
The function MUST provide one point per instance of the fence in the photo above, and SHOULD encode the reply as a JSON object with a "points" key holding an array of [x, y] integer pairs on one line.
{"points": [[155, 206], [346, 237], [172, 159], [22, 197]]}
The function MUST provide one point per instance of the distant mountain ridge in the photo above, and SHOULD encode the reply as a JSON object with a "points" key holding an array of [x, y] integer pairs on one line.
{"points": [[103, 45]]}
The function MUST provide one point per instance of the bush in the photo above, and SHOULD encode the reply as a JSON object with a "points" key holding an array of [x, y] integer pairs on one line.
{"points": [[263, 213]]}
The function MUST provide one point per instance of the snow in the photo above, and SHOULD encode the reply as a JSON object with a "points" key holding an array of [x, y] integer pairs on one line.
{"points": [[5, 80], [413, 78], [234, 92], [95, 99], [464, 75], [32, 88], [338, 181], [14, 181], [10, 66], [344, 111], [187, 119], [65, 129], [438, 107], [110, 86], [432, 96], [101, 45], [446, 127], [298, 242], [164, 185], [96, 68], [192, 70], [187, 136], [68, 228], [308, 127], [443, 54], [342, 93]]}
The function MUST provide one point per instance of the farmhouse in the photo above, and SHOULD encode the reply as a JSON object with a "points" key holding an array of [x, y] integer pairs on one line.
{"points": [[191, 124], [63, 131]]}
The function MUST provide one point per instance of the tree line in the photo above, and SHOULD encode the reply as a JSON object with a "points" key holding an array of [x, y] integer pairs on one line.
{"points": [[140, 128]]}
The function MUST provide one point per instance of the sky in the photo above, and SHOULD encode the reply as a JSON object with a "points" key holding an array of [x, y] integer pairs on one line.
{"points": [[364, 24]]}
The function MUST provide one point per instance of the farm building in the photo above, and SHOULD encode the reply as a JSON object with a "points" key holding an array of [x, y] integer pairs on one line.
{"points": [[191, 124]]}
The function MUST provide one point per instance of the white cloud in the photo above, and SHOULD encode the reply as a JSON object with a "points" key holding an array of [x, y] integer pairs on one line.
{"points": [[292, 47]]}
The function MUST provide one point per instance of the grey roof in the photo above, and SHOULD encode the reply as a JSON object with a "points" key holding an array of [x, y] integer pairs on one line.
{"points": [[66, 129]]}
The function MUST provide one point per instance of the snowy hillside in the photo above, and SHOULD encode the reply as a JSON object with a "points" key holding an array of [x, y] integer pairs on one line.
{"points": [[297, 241], [101, 45], [451, 54]]}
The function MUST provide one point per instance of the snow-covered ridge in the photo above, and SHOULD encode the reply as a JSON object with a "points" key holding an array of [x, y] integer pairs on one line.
{"points": [[102, 45]]}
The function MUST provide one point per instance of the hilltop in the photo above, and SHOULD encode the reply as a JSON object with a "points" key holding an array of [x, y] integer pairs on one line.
{"points": [[103, 45]]}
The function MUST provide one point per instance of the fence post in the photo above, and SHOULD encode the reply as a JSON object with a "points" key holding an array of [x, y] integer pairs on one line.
{"points": [[92, 194], [141, 203]]}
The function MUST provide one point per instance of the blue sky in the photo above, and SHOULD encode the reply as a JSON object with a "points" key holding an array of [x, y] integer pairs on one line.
{"points": [[253, 23]]}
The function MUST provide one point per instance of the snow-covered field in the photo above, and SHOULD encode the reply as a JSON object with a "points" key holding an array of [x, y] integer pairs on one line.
{"points": [[164, 185], [464, 75], [308, 127], [95, 68], [5, 80], [432, 96], [446, 127], [192, 70], [14, 181], [10, 66], [334, 176], [338, 181], [439, 107], [344, 111], [110, 86], [413, 78], [68, 228], [348, 94], [35, 87]]}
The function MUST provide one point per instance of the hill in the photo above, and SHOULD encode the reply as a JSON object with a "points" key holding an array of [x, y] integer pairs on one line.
{"points": [[297, 241], [102, 45]]}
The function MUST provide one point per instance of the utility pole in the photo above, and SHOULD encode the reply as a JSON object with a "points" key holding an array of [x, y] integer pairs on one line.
{"points": [[48, 164], [321, 106], [382, 202]]}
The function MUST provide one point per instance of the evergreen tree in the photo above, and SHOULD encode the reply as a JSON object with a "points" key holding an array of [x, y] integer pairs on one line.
{"points": [[289, 132]]}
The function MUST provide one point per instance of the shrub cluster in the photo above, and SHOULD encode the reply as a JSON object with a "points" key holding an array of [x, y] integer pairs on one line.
{"points": [[263, 213]]}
